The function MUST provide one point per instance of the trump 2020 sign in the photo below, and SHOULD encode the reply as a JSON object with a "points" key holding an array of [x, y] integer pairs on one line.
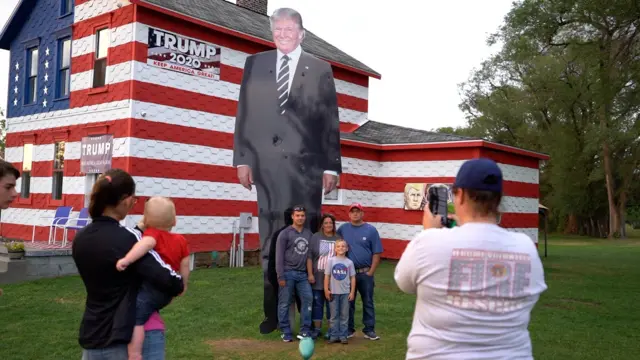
{"points": [[183, 54]]}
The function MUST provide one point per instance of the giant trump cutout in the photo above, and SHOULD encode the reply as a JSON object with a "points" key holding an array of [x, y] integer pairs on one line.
{"points": [[287, 137]]}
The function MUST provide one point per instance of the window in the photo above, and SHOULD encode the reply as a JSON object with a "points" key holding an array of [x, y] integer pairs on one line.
{"points": [[100, 62], [32, 76], [27, 159], [64, 61], [58, 170], [67, 7]]}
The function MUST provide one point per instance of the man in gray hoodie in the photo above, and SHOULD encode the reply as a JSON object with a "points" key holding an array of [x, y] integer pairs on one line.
{"points": [[293, 268]]}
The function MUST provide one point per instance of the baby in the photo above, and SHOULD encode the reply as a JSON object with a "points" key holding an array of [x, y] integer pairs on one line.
{"points": [[158, 220]]}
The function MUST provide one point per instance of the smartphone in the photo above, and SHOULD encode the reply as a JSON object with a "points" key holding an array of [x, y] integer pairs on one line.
{"points": [[438, 197]]}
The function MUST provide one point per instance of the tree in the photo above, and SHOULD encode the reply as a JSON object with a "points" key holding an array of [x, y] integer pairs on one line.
{"points": [[566, 82]]}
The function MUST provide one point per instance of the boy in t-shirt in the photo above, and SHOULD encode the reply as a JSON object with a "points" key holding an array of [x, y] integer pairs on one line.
{"points": [[339, 289], [170, 249]]}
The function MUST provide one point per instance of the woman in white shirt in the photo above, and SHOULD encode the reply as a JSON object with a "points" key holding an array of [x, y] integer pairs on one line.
{"points": [[476, 283]]}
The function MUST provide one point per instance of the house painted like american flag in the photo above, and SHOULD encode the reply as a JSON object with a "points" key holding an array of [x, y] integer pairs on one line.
{"points": [[83, 68]]}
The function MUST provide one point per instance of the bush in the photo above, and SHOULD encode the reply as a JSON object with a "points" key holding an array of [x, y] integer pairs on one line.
{"points": [[14, 246]]}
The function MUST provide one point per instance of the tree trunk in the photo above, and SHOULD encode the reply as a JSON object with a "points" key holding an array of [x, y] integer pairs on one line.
{"points": [[604, 111], [614, 220], [571, 227], [622, 212], [622, 200], [593, 230]]}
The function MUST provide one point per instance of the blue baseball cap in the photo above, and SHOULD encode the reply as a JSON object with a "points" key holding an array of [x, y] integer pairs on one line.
{"points": [[480, 174]]}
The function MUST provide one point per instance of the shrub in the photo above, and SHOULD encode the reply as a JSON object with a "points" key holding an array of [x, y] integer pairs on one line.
{"points": [[14, 246]]}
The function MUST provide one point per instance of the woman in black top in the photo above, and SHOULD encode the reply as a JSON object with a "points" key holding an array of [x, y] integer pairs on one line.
{"points": [[110, 309]]}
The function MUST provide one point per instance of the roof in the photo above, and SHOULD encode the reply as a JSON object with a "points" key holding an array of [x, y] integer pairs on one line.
{"points": [[255, 25], [385, 134], [377, 135]]}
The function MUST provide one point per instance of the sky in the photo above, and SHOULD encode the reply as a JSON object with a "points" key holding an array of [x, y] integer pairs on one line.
{"points": [[422, 49]]}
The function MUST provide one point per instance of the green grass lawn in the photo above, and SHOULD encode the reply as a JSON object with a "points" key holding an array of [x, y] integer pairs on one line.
{"points": [[589, 312]]}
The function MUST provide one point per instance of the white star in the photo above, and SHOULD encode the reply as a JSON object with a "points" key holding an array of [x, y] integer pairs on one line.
{"points": [[45, 90], [15, 102], [15, 89], [44, 103], [17, 77], [47, 51], [46, 64], [17, 66], [46, 77]]}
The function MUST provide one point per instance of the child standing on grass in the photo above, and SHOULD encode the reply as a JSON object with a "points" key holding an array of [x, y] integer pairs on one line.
{"points": [[158, 220], [339, 289]]}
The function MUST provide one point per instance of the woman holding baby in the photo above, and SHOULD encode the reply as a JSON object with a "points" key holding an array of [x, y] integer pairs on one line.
{"points": [[110, 310]]}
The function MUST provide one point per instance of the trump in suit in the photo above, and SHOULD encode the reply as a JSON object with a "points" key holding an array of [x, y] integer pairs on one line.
{"points": [[287, 136]]}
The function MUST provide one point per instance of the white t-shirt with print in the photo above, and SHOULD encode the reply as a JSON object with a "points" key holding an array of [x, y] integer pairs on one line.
{"points": [[476, 285]]}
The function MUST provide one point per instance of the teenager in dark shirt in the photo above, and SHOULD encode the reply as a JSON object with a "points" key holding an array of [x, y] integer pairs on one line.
{"points": [[110, 309], [8, 177], [293, 271]]}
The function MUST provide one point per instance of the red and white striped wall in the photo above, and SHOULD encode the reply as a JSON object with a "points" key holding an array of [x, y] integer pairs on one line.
{"points": [[174, 134]]}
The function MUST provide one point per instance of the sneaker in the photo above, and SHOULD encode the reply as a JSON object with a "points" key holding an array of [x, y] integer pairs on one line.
{"points": [[371, 335], [327, 336], [286, 337], [303, 335], [333, 341], [351, 334], [344, 341]]}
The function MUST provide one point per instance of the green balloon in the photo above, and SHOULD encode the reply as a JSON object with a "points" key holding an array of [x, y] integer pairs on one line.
{"points": [[306, 348]]}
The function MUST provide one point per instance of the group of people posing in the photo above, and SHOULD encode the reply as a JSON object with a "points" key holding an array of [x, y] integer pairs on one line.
{"points": [[326, 270]]}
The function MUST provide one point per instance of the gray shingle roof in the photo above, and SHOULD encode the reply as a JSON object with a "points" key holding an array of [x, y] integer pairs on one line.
{"points": [[380, 133], [234, 17]]}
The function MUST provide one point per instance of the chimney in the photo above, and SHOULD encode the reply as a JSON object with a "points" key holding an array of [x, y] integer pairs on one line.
{"points": [[259, 6]]}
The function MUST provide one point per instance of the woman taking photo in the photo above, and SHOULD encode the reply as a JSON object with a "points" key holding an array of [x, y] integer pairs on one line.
{"points": [[476, 283], [321, 249], [110, 309]]}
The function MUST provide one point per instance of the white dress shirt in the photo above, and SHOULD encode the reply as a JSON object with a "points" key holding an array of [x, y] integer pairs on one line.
{"points": [[294, 59]]}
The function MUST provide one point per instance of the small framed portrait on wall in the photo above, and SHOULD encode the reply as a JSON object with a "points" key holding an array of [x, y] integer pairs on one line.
{"points": [[413, 196]]}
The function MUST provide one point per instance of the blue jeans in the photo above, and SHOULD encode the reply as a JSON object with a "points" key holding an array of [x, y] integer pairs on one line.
{"points": [[153, 349], [364, 286], [339, 316], [149, 300], [319, 302], [116, 352], [296, 281]]}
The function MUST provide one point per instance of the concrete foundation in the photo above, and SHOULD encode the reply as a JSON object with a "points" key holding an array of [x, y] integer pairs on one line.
{"points": [[36, 264]]}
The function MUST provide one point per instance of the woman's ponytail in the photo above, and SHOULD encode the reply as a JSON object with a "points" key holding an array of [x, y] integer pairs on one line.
{"points": [[109, 190]]}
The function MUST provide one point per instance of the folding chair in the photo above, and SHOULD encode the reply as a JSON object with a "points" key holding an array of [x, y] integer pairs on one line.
{"points": [[59, 218], [81, 221]]}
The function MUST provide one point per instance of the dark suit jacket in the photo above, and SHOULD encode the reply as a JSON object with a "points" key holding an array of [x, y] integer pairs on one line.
{"points": [[308, 134]]}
